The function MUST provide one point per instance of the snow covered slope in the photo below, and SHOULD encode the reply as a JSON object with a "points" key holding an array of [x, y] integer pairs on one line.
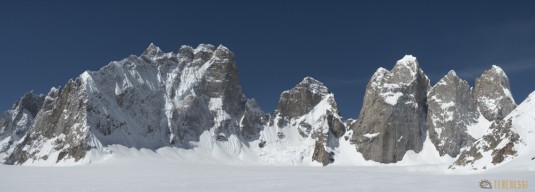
{"points": [[306, 127], [509, 140]]}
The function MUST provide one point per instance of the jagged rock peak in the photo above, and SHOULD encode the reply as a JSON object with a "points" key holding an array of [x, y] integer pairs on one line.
{"points": [[498, 70], [451, 110], [204, 48], [379, 72], [16, 122], [493, 93], [452, 73], [222, 47], [153, 51], [406, 70], [313, 85], [31, 102], [497, 74], [185, 48], [450, 77], [302, 98], [222, 52], [379, 77], [408, 65], [392, 117], [408, 61]]}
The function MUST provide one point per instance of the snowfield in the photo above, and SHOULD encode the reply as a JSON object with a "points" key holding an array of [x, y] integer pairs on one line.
{"points": [[167, 170]]}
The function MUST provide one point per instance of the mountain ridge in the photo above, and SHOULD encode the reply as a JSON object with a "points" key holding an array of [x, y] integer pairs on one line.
{"points": [[163, 99]]}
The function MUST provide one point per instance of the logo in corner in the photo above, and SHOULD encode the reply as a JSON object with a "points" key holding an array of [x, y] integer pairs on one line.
{"points": [[485, 184]]}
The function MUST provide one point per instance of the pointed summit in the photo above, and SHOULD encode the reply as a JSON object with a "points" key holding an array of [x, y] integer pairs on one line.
{"points": [[152, 51], [313, 85], [309, 92], [202, 53], [310, 80], [394, 102], [204, 48], [493, 94], [449, 78], [406, 70], [452, 73], [498, 70], [312, 110], [451, 109], [223, 52], [222, 47], [408, 61]]}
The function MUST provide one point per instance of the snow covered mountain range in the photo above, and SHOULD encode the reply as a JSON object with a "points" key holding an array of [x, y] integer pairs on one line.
{"points": [[192, 101]]}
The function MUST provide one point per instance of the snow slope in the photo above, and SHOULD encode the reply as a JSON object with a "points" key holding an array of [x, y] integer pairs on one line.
{"points": [[166, 170], [510, 142]]}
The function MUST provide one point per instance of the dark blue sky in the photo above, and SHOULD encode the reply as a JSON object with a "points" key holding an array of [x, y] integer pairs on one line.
{"points": [[277, 43]]}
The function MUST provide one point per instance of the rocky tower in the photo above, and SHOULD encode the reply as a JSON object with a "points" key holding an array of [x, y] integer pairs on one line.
{"points": [[150, 101], [310, 108], [392, 119], [16, 122], [497, 105], [493, 94], [451, 109]]}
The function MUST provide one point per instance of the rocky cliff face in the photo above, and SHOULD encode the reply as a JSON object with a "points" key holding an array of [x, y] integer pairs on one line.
{"points": [[60, 130], [149, 101], [451, 109], [392, 119], [15, 123], [163, 99], [310, 109], [495, 102], [493, 94], [498, 145], [506, 140]]}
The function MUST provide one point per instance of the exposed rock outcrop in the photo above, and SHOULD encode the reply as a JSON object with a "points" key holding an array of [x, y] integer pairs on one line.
{"points": [[15, 123], [451, 109], [499, 145], [493, 94], [392, 119], [310, 108], [512, 137], [193, 98], [150, 101]]}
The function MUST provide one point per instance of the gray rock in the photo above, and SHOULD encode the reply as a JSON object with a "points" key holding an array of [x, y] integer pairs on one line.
{"points": [[501, 142], [451, 109], [302, 98], [61, 121], [157, 99], [392, 119], [253, 121], [301, 101], [15, 123], [493, 94]]}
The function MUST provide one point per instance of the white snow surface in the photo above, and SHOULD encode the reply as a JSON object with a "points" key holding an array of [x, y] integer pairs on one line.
{"points": [[480, 128], [391, 97], [171, 169], [294, 149], [371, 135], [523, 121]]}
